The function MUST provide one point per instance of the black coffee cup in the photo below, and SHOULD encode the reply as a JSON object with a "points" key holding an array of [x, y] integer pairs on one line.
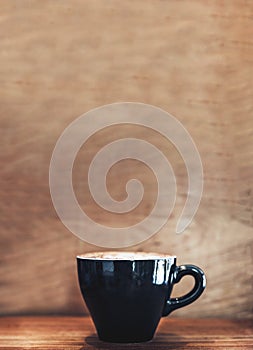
{"points": [[128, 293]]}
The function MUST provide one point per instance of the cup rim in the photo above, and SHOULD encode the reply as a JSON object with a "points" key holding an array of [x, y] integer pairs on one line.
{"points": [[124, 256]]}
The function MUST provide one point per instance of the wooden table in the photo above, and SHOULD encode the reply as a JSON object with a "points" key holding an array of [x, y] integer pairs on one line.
{"points": [[78, 333]]}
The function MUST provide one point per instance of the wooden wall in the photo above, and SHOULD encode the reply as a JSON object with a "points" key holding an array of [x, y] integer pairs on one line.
{"points": [[59, 59]]}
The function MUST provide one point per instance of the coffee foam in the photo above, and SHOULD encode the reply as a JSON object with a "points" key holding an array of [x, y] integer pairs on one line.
{"points": [[124, 256]]}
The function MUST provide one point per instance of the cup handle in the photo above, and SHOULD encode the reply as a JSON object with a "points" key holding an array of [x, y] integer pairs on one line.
{"points": [[199, 286]]}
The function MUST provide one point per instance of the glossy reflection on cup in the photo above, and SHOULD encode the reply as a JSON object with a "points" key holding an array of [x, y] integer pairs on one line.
{"points": [[127, 293]]}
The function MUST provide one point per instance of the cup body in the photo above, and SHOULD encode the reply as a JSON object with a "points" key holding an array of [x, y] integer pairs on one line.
{"points": [[126, 295]]}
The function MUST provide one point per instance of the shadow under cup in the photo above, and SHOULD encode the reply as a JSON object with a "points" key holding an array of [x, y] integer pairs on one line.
{"points": [[128, 293]]}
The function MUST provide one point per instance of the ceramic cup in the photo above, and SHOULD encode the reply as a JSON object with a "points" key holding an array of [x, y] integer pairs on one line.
{"points": [[128, 293]]}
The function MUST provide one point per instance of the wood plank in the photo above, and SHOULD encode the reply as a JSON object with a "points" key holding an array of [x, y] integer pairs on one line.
{"points": [[59, 59], [79, 333]]}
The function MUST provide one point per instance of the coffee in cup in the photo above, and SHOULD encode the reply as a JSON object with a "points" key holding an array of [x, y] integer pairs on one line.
{"points": [[127, 293]]}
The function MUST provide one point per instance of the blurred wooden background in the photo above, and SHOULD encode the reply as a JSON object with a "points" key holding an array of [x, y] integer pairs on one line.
{"points": [[59, 59]]}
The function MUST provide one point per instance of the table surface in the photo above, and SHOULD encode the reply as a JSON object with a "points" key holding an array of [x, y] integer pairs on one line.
{"points": [[79, 333]]}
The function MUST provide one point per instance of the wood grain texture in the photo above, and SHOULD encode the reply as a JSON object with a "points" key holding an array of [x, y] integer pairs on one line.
{"points": [[60, 59], [79, 333]]}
